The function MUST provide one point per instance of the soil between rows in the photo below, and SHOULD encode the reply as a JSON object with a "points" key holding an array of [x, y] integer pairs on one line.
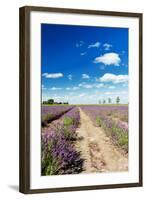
{"points": [[96, 148]]}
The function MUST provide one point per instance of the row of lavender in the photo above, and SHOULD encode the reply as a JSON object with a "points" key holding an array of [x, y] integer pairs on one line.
{"points": [[59, 155], [114, 120], [50, 113]]}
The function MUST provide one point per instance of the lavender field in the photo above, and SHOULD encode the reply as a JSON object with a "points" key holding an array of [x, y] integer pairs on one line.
{"points": [[113, 119], [84, 139]]}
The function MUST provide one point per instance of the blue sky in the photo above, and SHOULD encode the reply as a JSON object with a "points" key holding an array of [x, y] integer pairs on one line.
{"points": [[84, 64]]}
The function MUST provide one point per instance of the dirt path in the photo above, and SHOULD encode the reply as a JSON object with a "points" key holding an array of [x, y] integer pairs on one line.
{"points": [[96, 148]]}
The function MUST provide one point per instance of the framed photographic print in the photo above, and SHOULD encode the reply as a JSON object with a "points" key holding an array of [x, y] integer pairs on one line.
{"points": [[80, 99]]}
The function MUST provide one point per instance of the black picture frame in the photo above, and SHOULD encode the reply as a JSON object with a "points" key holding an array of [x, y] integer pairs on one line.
{"points": [[24, 142]]}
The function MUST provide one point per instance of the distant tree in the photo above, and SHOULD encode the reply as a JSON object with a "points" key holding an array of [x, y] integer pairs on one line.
{"points": [[104, 101], [109, 100], [99, 102], [65, 102], [50, 101], [118, 100]]}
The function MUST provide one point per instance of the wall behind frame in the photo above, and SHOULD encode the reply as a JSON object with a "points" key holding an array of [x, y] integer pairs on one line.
{"points": [[9, 100]]}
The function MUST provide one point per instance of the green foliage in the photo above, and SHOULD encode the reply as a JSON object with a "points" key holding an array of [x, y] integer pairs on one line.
{"points": [[104, 101], [123, 140], [109, 100], [121, 137], [67, 121], [50, 101], [66, 132], [99, 102], [47, 117], [49, 164], [98, 121], [118, 100]]}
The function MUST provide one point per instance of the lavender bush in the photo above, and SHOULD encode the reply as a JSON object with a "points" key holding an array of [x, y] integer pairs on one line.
{"points": [[109, 117], [59, 155], [50, 113]]}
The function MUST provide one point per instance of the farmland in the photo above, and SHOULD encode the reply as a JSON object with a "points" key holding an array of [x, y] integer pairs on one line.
{"points": [[84, 139]]}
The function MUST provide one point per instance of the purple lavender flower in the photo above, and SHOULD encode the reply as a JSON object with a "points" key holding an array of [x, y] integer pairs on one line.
{"points": [[59, 155]]}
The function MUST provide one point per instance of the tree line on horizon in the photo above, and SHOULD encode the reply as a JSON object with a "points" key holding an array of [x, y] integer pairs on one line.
{"points": [[104, 101], [51, 102], [109, 100]]}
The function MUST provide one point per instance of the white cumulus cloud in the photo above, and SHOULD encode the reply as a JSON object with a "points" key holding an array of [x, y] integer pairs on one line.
{"points": [[85, 76], [68, 88], [75, 88], [87, 86], [108, 59], [95, 45], [107, 46], [114, 78], [111, 87], [53, 75], [69, 77], [91, 85], [79, 44], [55, 88], [82, 95], [100, 85], [83, 53]]}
